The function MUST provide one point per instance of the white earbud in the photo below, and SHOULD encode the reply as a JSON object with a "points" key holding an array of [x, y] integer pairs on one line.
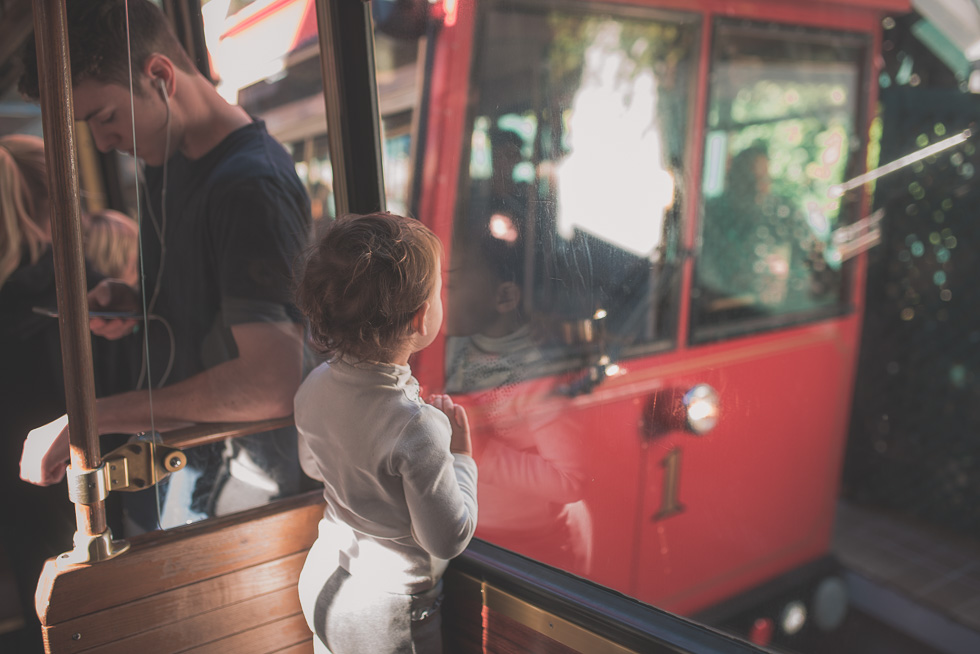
{"points": [[162, 85]]}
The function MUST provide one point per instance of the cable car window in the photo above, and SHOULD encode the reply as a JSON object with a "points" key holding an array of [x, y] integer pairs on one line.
{"points": [[222, 216], [781, 131], [567, 220]]}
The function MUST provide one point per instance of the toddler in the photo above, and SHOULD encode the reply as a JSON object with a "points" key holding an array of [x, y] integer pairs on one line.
{"points": [[398, 474]]}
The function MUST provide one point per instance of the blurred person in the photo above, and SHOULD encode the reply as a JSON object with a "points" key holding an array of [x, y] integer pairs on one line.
{"points": [[490, 341], [507, 195], [228, 216], [111, 243], [501, 193], [37, 522], [758, 251]]}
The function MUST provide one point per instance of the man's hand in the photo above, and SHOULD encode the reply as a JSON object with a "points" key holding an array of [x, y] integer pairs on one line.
{"points": [[460, 442], [45, 455], [112, 295]]}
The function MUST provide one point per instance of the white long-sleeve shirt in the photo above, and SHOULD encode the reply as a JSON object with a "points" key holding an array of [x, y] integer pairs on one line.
{"points": [[399, 504]]}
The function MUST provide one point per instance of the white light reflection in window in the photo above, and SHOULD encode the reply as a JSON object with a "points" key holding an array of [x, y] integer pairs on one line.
{"points": [[614, 119], [502, 228]]}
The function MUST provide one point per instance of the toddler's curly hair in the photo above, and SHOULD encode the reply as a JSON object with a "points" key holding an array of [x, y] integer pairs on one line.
{"points": [[364, 280]]}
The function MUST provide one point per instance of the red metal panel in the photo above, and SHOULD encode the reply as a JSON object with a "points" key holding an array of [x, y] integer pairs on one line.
{"points": [[758, 491], [836, 13]]}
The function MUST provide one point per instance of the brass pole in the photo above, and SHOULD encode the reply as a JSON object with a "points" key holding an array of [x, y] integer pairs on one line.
{"points": [[54, 72]]}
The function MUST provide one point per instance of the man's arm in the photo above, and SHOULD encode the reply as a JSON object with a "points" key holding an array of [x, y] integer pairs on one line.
{"points": [[258, 385]]}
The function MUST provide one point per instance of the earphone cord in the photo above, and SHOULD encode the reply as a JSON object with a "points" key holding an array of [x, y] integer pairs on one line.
{"points": [[139, 216], [161, 230]]}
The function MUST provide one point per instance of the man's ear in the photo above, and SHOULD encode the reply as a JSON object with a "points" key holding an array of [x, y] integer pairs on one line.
{"points": [[418, 320], [508, 297], [158, 67]]}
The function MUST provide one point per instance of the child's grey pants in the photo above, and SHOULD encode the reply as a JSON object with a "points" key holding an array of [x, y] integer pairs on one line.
{"points": [[349, 618]]}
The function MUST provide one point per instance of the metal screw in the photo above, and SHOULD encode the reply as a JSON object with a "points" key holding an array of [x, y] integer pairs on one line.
{"points": [[175, 462], [76, 636]]}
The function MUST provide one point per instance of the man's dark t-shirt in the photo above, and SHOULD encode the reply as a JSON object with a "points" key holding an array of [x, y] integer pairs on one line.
{"points": [[236, 220]]}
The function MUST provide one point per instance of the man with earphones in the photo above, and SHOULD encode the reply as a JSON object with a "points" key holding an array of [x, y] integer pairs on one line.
{"points": [[223, 217]]}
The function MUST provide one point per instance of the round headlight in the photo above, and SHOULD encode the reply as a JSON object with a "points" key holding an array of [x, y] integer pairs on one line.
{"points": [[793, 617], [703, 408]]}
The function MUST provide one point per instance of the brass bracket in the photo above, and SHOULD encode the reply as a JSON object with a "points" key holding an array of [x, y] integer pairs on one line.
{"points": [[131, 467], [92, 549]]}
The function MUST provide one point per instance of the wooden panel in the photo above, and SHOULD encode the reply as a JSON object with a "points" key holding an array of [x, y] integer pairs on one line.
{"points": [[173, 606], [301, 648], [566, 636], [287, 635], [462, 614], [469, 627], [507, 636], [162, 561], [208, 627], [480, 617]]}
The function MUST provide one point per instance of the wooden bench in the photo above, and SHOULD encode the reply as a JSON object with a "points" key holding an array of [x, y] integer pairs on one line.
{"points": [[225, 585]]}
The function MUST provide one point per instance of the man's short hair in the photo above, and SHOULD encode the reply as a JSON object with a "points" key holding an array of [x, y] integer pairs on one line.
{"points": [[97, 43]]}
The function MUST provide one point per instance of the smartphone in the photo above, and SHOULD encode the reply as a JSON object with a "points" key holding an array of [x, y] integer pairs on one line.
{"points": [[107, 315]]}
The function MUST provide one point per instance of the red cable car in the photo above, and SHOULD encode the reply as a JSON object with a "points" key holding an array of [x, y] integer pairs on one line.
{"points": [[653, 311]]}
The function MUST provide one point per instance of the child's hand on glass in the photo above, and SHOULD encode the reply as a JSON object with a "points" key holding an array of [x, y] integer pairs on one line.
{"points": [[460, 442]]}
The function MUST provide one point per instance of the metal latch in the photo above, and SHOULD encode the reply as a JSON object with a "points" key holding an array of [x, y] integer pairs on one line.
{"points": [[131, 467]]}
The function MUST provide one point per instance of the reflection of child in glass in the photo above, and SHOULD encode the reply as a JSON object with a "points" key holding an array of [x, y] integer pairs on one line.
{"points": [[398, 476], [490, 341], [532, 473]]}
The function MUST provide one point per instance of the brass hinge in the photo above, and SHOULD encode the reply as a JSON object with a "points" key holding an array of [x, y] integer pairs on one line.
{"points": [[131, 467]]}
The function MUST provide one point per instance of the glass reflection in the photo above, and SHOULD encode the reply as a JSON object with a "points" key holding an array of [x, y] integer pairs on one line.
{"points": [[615, 116], [531, 469], [552, 282], [781, 124], [222, 215]]}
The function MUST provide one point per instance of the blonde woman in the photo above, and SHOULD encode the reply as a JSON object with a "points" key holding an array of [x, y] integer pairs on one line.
{"points": [[31, 385], [24, 224], [111, 245]]}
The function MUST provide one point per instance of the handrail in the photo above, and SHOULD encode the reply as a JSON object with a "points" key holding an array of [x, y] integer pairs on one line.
{"points": [[507, 576], [209, 432], [92, 538]]}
